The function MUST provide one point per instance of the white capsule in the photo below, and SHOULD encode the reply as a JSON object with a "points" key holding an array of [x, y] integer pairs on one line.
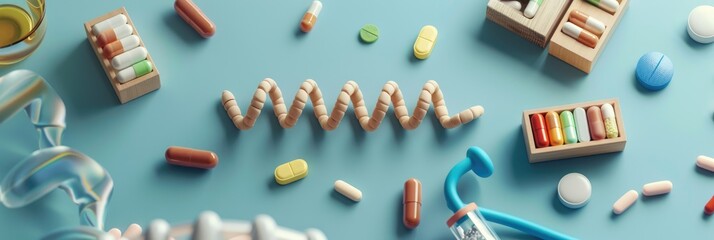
{"points": [[657, 188], [207, 227], [625, 202], [348, 190], [532, 8], [581, 125], [572, 30], [706, 163], [128, 58], [514, 4], [110, 23], [608, 117]]}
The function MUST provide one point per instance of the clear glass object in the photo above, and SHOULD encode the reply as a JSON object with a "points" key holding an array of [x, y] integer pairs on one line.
{"points": [[53, 166], [22, 28], [473, 226]]}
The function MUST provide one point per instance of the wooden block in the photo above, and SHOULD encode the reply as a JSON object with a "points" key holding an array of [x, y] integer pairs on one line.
{"points": [[573, 52], [576, 149], [131, 89], [539, 29]]}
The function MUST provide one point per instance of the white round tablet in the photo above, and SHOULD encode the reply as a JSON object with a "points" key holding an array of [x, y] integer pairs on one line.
{"points": [[574, 190], [700, 24]]}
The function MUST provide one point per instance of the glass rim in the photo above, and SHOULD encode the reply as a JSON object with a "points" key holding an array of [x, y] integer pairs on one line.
{"points": [[34, 28]]}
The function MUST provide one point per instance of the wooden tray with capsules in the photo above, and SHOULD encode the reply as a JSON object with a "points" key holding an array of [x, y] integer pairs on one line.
{"points": [[579, 149], [575, 53], [131, 89]]}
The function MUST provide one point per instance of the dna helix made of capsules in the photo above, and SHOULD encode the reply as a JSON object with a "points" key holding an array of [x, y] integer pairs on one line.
{"points": [[431, 93]]}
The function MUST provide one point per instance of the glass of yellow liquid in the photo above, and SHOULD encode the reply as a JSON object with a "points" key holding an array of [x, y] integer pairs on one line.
{"points": [[22, 28]]}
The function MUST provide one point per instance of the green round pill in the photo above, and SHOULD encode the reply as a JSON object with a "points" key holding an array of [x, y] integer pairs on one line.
{"points": [[369, 33]]}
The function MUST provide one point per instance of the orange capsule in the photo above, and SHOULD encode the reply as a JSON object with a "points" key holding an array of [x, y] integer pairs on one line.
{"points": [[308, 21], [540, 131], [189, 157], [552, 120], [412, 203], [597, 127]]}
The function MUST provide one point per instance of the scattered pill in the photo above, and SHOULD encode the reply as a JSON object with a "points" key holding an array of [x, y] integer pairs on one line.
{"points": [[207, 226], [310, 17], [607, 5], [581, 125], [158, 229], [625, 202], [657, 188], [111, 35], [700, 24], [584, 37], [291, 171], [412, 203], [117, 47], [597, 128], [514, 4], [574, 190], [608, 116], [568, 123], [189, 157], [540, 131], [706, 163], [654, 71], [348, 190], [555, 133], [193, 15], [129, 58], [425, 42], [369, 33], [110, 23], [587, 22], [532, 8], [137, 70], [709, 208]]}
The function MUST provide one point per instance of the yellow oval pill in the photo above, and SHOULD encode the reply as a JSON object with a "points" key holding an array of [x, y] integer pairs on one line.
{"points": [[291, 171], [425, 42]]}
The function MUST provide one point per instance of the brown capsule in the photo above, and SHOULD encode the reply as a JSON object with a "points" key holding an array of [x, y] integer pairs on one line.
{"points": [[189, 157], [412, 203], [597, 127]]}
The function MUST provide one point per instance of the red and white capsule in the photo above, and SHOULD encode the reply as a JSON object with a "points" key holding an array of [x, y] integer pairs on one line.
{"points": [[308, 21]]}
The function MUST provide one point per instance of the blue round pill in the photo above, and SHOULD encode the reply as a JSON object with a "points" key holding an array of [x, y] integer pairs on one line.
{"points": [[654, 71]]}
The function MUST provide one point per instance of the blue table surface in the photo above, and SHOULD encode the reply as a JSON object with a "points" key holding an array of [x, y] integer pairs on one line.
{"points": [[475, 61]]}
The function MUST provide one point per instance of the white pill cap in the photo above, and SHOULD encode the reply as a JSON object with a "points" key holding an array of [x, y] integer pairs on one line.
{"points": [[574, 190], [607, 111]]}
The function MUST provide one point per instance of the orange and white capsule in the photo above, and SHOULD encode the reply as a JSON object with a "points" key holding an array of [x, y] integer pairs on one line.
{"points": [[584, 37], [308, 21], [587, 22], [118, 47], [111, 35]]}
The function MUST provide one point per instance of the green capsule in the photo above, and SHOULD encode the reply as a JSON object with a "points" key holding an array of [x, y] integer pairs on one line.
{"points": [[568, 123]]}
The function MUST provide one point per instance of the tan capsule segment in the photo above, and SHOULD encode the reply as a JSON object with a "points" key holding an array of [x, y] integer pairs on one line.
{"points": [[189, 157], [624, 202], [657, 188], [310, 92], [348, 190], [412, 203]]}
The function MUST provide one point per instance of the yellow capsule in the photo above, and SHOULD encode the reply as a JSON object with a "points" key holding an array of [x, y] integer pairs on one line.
{"points": [[291, 171], [554, 130]]}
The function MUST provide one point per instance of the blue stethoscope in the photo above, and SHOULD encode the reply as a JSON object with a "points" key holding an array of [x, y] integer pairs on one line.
{"points": [[479, 162]]}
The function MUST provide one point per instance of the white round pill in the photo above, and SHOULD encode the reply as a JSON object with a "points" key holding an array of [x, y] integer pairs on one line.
{"points": [[700, 24], [574, 190]]}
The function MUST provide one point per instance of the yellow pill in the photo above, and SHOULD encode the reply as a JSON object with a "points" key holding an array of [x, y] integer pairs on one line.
{"points": [[291, 171], [425, 42]]}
